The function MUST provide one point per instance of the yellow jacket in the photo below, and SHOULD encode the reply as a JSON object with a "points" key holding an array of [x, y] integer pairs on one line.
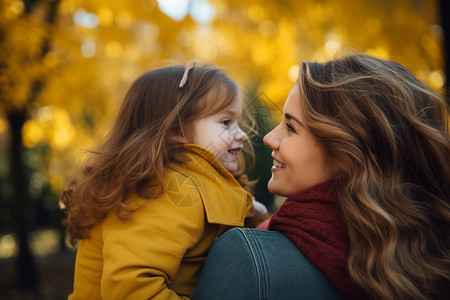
{"points": [[159, 252]]}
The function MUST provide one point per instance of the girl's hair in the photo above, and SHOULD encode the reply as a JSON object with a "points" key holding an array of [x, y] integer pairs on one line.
{"points": [[386, 135], [132, 157]]}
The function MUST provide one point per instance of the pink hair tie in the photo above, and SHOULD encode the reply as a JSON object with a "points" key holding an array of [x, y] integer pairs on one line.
{"points": [[189, 66]]}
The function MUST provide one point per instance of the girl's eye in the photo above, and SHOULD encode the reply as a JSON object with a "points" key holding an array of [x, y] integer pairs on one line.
{"points": [[290, 127], [226, 122]]}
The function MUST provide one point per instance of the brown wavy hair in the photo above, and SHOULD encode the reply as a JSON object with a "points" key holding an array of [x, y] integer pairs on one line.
{"points": [[132, 157], [386, 135]]}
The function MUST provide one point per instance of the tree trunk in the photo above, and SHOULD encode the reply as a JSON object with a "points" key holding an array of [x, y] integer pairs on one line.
{"points": [[26, 275], [26, 278], [444, 8]]}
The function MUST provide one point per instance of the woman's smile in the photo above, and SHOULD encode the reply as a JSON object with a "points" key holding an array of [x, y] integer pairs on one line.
{"points": [[277, 164]]}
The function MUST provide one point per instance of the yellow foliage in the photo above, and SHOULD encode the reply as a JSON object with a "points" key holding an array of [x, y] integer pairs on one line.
{"points": [[105, 16], [10, 9], [3, 125], [34, 133], [63, 132], [52, 126], [97, 48], [256, 13], [437, 79]]}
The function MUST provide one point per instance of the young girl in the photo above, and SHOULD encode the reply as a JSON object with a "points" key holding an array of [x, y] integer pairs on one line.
{"points": [[159, 190]]}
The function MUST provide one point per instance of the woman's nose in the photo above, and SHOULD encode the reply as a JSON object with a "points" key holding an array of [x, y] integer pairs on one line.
{"points": [[271, 140]]}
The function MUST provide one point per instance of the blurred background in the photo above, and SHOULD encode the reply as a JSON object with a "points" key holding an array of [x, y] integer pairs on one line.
{"points": [[65, 64]]}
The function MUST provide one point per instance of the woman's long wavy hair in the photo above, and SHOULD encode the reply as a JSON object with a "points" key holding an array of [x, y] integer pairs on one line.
{"points": [[386, 134], [132, 157]]}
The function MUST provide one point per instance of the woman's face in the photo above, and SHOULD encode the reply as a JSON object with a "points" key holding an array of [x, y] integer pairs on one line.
{"points": [[299, 161]]}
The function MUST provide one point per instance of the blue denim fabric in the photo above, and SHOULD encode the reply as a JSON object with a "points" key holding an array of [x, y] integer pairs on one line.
{"points": [[258, 264]]}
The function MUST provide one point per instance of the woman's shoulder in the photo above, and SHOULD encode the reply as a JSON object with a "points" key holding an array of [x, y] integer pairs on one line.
{"points": [[265, 265]]}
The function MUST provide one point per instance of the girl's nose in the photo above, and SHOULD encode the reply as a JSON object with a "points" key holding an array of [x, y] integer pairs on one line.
{"points": [[271, 140], [241, 136]]}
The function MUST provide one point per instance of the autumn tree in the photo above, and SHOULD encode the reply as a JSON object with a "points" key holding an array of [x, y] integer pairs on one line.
{"points": [[23, 78]]}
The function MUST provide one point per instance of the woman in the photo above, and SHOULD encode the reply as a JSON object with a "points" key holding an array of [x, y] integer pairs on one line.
{"points": [[362, 155]]}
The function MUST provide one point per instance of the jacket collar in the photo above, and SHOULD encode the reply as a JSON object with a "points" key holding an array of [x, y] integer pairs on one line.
{"points": [[225, 201]]}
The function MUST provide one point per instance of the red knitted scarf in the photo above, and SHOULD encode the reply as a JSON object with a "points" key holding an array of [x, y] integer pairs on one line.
{"points": [[313, 221]]}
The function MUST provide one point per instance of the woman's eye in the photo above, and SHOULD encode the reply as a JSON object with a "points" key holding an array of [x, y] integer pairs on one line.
{"points": [[290, 127]]}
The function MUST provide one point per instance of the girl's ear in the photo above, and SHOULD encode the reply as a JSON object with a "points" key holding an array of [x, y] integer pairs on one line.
{"points": [[183, 135], [180, 139]]}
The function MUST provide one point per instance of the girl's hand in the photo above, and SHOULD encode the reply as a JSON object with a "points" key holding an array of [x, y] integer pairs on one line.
{"points": [[259, 209]]}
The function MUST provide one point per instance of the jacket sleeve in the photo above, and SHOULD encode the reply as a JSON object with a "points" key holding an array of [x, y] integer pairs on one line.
{"points": [[142, 255]]}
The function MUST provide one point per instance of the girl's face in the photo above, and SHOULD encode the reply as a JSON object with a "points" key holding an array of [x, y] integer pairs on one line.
{"points": [[220, 133], [299, 161]]}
